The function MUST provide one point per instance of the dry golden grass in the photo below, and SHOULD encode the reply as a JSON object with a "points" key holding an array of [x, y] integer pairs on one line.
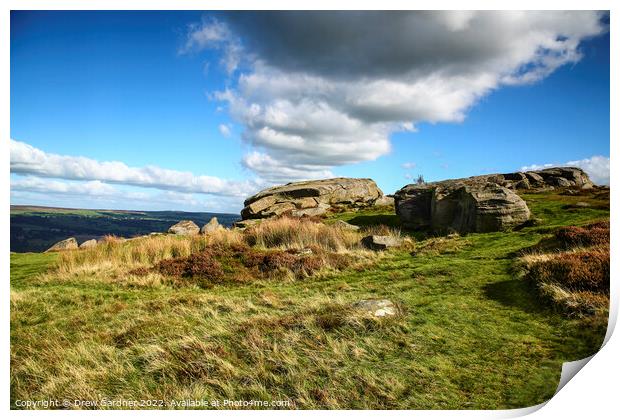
{"points": [[136, 261], [296, 233]]}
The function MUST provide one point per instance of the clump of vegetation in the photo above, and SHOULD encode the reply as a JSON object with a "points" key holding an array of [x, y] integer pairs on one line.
{"points": [[241, 263], [577, 278], [584, 236], [298, 233], [281, 248]]}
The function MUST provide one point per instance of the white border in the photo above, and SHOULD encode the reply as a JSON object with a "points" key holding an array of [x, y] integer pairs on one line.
{"points": [[592, 394]]}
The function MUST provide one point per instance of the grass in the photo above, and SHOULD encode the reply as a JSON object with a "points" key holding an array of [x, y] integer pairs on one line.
{"points": [[470, 334]]}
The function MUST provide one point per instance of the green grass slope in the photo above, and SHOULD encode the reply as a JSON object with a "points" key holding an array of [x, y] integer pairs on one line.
{"points": [[472, 336]]}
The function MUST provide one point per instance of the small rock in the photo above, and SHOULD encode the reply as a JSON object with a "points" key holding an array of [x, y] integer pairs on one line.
{"points": [[344, 225], [381, 242], [212, 226], [582, 204], [64, 245], [379, 308], [184, 227], [303, 251], [91, 243]]}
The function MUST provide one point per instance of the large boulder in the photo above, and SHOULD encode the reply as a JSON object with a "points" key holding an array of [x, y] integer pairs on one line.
{"points": [[484, 203], [64, 245], [312, 198], [455, 206], [184, 227]]}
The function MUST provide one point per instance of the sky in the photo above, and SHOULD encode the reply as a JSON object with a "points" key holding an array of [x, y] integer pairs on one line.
{"points": [[196, 111]]}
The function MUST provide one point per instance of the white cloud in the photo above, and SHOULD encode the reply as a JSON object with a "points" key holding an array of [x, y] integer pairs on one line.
{"points": [[282, 172], [28, 160], [408, 165], [215, 35], [86, 194], [224, 130], [597, 168], [332, 91]]}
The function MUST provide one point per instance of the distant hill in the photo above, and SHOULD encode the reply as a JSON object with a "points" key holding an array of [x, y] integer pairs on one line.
{"points": [[36, 228]]}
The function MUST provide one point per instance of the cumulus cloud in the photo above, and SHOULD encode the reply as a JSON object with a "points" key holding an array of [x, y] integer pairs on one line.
{"points": [[597, 168], [338, 84], [276, 171], [28, 160], [408, 165]]}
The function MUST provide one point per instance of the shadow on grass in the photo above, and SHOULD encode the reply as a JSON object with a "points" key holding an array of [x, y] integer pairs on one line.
{"points": [[391, 220], [516, 294]]}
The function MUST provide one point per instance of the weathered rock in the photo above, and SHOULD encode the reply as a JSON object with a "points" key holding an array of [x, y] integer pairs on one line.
{"points": [[381, 242], [64, 245], [312, 198], [565, 177], [482, 203], [91, 243], [378, 308], [243, 224], [184, 227], [344, 225], [457, 206], [212, 226], [385, 201]]}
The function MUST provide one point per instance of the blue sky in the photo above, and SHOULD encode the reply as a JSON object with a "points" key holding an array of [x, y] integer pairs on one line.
{"points": [[200, 109]]}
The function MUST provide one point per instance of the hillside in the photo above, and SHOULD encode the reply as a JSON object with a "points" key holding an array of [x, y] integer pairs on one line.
{"points": [[469, 332], [36, 228]]}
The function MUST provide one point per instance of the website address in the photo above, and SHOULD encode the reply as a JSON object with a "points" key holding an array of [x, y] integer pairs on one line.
{"points": [[150, 403]]}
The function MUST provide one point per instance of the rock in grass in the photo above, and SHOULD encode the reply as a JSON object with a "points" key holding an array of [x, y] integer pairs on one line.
{"points": [[379, 308], [344, 225], [243, 224], [91, 243], [64, 245], [381, 242], [212, 226], [184, 227]]}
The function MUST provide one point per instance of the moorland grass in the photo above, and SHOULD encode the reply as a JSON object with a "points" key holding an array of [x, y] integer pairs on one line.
{"points": [[471, 335]]}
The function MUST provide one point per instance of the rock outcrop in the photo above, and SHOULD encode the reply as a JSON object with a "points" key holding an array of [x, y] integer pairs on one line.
{"points": [[64, 245], [212, 226], [184, 227], [312, 198], [461, 207], [485, 203]]}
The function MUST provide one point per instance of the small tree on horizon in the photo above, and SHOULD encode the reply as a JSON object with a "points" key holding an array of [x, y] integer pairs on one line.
{"points": [[420, 180]]}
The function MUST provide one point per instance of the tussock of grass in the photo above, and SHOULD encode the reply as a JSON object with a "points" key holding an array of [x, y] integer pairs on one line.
{"points": [[296, 233]]}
